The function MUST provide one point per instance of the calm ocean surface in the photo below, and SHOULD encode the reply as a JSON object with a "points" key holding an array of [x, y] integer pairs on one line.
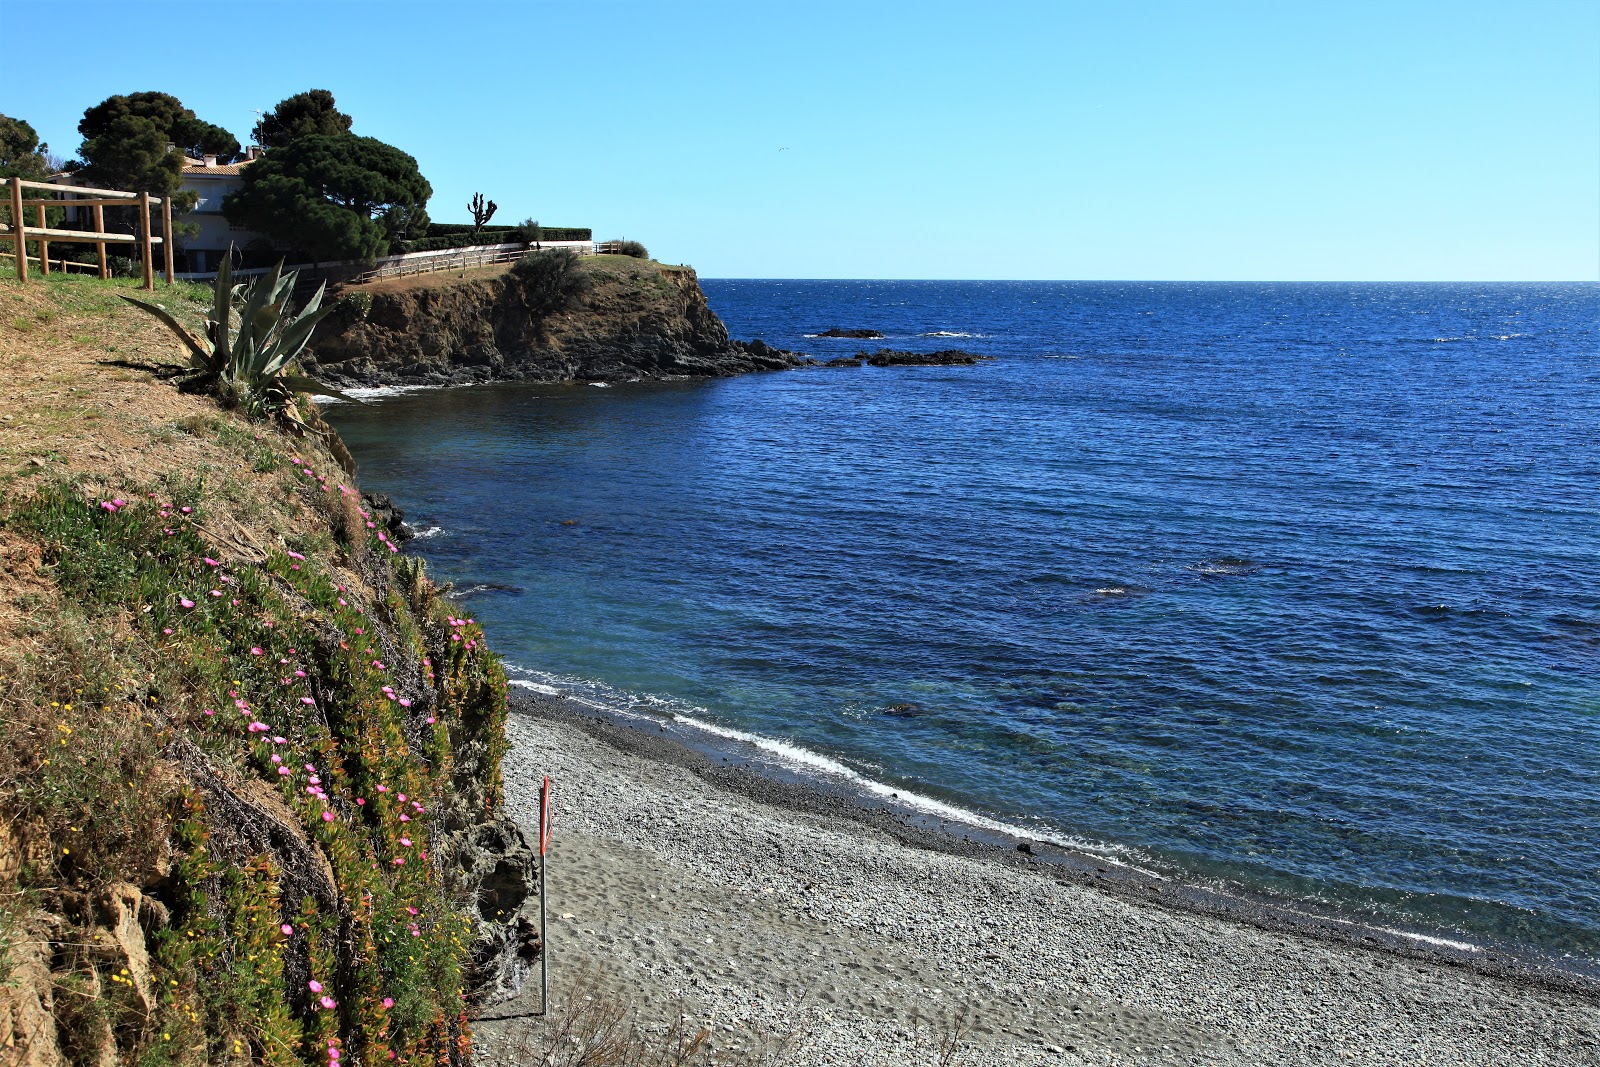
{"points": [[1295, 587]]}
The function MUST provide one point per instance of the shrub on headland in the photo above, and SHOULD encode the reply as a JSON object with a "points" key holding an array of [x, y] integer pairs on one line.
{"points": [[551, 281], [624, 248]]}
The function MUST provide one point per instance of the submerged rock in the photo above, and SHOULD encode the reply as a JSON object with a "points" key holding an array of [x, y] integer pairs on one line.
{"points": [[844, 361], [948, 357], [857, 335]]}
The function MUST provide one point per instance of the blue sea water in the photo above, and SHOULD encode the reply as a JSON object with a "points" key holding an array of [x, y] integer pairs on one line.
{"points": [[1288, 586]]}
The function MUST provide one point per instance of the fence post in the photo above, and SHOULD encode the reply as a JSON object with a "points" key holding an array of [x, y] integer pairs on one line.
{"points": [[100, 246], [166, 235], [144, 241], [16, 230], [44, 246]]}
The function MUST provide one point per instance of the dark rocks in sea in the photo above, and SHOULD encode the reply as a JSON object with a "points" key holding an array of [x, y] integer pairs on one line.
{"points": [[855, 335], [903, 711], [388, 515], [948, 357], [843, 361]]}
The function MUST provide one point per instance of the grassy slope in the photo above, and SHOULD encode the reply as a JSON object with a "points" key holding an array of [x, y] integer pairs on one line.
{"points": [[176, 886]]}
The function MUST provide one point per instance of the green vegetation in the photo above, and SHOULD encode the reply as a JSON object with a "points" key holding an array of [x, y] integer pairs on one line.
{"points": [[626, 248], [301, 115], [333, 197], [125, 144], [551, 281], [21, 154], [248, 366], [152, 687]]}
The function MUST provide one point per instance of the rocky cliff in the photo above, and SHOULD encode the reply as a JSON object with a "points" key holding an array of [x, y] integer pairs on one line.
{"points": [[637, 319], [250, 796]]}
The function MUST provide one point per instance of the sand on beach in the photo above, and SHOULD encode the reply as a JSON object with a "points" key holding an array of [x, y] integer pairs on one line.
{"points": [[773, 926]]}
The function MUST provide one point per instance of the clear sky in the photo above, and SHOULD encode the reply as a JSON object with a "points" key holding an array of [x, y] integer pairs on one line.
{"points": [[1175, 139]]}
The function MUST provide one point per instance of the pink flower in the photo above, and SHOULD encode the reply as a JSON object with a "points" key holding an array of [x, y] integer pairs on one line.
{"points": [[327, 816], [284, 772], [186, 509], [208, 711], [405, 842], [430, 720], [401, 798], [383, 789], [314, 985], [329, 1002], [361, 801], [185, 602], [405, 702], [288, 931], [255, 651], [216, 592], [294, 555], [211, 562], [388, 1002], [109, 506], [307, 700], [276, 758], [398, 862], [405, 818]]}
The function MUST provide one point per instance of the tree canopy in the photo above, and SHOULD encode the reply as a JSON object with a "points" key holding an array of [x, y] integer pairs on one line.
{"points": [[126, 137], [21, 154], [302, 115], [333, 196]]}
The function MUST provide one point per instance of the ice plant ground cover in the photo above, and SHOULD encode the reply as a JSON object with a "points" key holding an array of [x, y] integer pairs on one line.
{"points": [[219, 685]]}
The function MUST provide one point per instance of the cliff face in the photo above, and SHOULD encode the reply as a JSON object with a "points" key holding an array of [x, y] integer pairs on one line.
{"points": [[639, 320], [250, 796]]}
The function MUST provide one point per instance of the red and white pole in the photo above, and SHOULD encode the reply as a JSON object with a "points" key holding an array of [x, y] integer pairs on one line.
{"points": [[544, 940]]}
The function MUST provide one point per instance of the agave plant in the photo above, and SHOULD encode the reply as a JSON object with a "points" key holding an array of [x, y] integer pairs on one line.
{"points": [[250, 365]]}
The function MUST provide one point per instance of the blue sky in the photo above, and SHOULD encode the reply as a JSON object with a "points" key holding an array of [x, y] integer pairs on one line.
{"points": [[1140, 140]]}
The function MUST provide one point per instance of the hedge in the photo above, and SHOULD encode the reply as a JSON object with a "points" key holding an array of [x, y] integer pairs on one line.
{"points": [[460, 238]]}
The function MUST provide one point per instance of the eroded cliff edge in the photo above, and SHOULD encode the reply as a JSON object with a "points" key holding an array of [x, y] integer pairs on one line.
{"points": [[637, 319], [250, 791]]}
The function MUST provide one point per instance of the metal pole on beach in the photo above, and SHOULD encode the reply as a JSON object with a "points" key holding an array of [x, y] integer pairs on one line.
{"points": [[544, 898]]}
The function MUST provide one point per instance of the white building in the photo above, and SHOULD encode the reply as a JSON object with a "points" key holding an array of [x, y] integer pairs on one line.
{"points": [[212, 181]]}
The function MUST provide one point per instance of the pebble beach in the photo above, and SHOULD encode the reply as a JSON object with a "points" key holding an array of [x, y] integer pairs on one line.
{"points": [[798, 935]]}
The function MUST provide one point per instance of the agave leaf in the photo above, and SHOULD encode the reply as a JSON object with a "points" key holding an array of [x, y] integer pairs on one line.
{"points": [[201, 355], [297, 334], [222, 312], [302, 384]]}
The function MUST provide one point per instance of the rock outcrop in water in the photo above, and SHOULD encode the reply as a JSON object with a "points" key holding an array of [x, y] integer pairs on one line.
{"points": [[639, 320], [948, 357]]}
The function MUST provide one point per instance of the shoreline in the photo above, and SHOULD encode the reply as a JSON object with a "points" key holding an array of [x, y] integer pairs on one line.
{"points": [[792, 852], [739, 766]]}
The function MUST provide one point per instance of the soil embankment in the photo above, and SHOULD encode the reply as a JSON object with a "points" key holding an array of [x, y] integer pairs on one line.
{"points": [[250, 793]]}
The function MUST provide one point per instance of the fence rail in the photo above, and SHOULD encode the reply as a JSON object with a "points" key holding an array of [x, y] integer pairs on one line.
{"points": [[20, 233]]}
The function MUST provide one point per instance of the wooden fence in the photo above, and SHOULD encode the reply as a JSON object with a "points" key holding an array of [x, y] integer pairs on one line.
{"points": [[97, 200]]}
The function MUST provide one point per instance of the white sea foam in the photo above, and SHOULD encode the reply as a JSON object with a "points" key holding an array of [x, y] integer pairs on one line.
{"points": [[429, 531], [951, 333], [796, 758], [369, 393]]}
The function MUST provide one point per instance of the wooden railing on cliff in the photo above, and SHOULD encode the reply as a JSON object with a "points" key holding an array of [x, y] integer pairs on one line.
{"points": [[98, 200]]}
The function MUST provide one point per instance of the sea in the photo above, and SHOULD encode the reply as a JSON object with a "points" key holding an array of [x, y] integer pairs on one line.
{"points": [[1291, 590]]}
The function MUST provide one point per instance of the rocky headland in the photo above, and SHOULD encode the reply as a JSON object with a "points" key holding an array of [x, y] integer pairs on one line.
{"points": [[638, 319]]}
